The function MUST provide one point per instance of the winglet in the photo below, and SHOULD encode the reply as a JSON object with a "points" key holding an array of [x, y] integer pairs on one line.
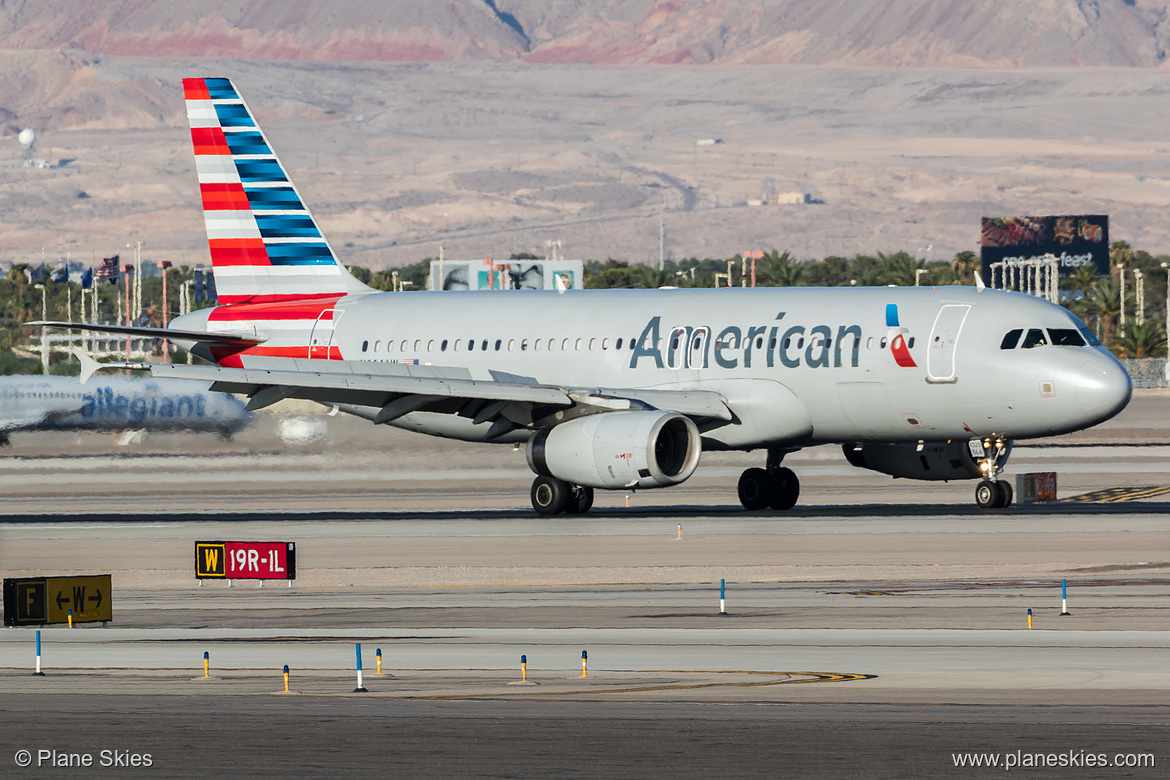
{"points": [[979, 285], [89, 366]]}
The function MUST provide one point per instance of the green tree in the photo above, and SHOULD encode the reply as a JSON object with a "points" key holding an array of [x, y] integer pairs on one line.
{"points": [[1140, 339], [964, 267], [898, 268]]}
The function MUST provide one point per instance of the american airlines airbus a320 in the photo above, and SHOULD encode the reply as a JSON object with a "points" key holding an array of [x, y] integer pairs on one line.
{"points": [[622, 389]]}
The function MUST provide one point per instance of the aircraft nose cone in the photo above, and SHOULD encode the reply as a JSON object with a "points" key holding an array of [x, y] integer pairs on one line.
{"points": [[1103, 388]]}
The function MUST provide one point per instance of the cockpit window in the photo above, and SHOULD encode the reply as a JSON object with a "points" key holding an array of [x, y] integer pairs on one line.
{"points": [[1065, 337], [1089, 337], [1011, 339], [1035, 338]]}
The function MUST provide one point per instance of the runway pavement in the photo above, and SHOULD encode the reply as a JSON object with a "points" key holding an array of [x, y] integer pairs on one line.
{"points": [[877, 630]]}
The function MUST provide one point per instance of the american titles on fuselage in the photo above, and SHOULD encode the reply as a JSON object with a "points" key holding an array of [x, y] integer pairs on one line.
{"points": [[733, 346]]}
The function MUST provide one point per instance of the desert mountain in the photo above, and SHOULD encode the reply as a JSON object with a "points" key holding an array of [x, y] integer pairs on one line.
{"points": [[939, 33]]}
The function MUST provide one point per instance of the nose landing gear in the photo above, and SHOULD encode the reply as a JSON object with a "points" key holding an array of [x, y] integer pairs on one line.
{"points": [[993, 495], [991, 455]]}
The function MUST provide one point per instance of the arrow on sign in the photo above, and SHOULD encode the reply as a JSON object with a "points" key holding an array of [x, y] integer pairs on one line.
{"points": [[97, 598], [62, 600]]}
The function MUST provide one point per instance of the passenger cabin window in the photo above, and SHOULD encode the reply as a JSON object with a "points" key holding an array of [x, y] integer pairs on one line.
{"points": [[364, 345], [498, 343], [1035, 338], [1011, 339], [619, 344], [1065, 337]]}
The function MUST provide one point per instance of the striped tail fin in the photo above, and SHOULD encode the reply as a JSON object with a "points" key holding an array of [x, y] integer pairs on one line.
{"points": [[265, 245]]}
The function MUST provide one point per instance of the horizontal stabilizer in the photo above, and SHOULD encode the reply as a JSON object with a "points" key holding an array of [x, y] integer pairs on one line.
{"points": [[156, 333]]}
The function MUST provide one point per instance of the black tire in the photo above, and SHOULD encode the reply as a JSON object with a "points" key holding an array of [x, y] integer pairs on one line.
{"points": [[549, 495], [580, 500], [987, 495], [785, 489], [755, 489], [1005, 494]]}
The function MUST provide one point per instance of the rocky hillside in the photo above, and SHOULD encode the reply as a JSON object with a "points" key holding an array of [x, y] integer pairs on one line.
{"points": [[940, 33]]}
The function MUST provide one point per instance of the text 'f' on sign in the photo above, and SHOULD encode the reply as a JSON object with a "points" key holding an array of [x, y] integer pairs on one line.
{"points": [[246, 560]]}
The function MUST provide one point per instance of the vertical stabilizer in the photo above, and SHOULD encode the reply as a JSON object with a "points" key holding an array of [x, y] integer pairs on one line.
{"points": [[265, 245]]}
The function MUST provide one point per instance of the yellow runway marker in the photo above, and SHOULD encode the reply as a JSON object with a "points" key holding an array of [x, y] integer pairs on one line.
{"points": [[1117, 495]]}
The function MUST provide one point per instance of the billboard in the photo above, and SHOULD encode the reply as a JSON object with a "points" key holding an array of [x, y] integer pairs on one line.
{"points": [[1017, 242], [507, 275]]}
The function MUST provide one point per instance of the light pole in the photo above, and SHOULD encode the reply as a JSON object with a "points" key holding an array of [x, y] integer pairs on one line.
{"points": [[1166, 268], [44, 331], [164, 265], [1141, 296], [137, 278], [1121, 275], [918, 272]]}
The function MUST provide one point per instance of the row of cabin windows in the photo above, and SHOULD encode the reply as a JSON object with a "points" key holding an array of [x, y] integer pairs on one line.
{"points": [[486, 345], [569, 345]]}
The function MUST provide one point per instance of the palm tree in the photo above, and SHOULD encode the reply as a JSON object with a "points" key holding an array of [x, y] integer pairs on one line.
{"points": [[653, 278], [779, 269], [899, 268], [1140, 339], [1082, 279], [1104, 306], [966, 265]]}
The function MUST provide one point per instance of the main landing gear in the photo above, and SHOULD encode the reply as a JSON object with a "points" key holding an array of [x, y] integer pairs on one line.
{"points": [[551, 496], [776, 487]]}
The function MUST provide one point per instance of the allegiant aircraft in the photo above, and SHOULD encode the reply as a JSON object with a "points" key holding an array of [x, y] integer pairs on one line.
{"points": [[115, 403], [622, 389]]}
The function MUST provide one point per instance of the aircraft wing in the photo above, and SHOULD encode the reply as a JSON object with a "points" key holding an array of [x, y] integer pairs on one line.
{"points": [[155, 333], [22, 422], [33, 420], [396, 390]]}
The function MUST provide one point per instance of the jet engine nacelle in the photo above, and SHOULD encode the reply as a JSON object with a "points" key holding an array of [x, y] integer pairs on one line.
{"points": [[936, 460], [647, 449]]}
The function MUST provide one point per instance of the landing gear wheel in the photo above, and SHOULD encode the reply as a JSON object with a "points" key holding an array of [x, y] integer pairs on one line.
{"points": [[549, 495], [987, 494], [785, 489], [580, 500], [1005, 494], [755, 489]]}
